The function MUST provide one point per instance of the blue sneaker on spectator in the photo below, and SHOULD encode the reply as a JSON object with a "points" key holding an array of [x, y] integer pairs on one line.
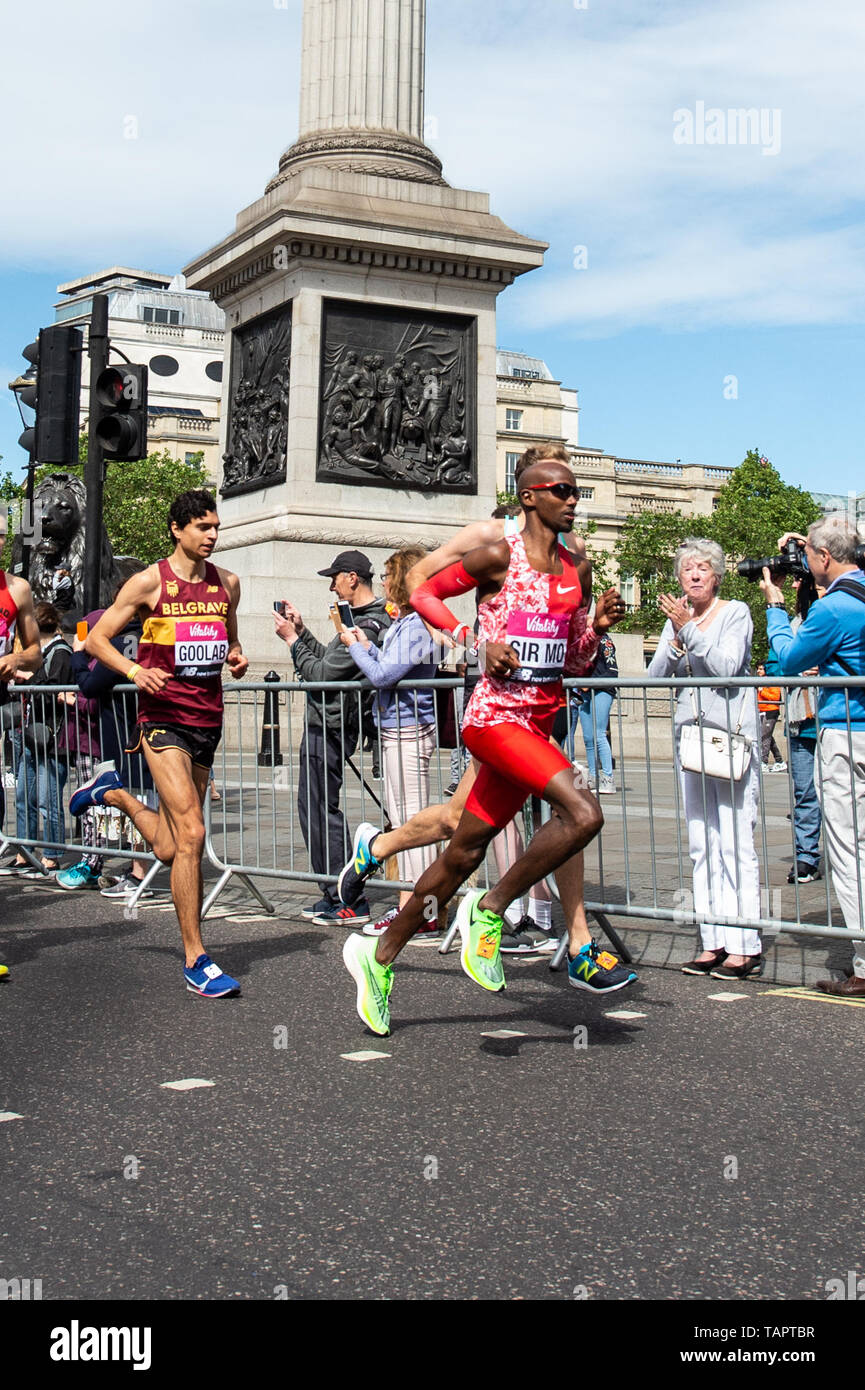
{"points": [[322, 905], [92, 793], [79, 875], [207, 979]]}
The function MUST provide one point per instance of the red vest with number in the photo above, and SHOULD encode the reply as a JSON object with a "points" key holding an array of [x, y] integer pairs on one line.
{"points": [[186, 636]]}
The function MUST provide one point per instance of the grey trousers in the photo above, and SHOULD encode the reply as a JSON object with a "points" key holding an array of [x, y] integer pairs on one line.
{"points": [[322, 824], [840, 780]]}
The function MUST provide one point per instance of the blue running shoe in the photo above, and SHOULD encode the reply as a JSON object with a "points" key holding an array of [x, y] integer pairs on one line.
{"points": [[92, 793], [77, 876], [597, 971], [207, 979], [360, 867]]}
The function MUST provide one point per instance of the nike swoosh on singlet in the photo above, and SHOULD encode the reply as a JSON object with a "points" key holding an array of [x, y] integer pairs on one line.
{"points": [[571, 589]]}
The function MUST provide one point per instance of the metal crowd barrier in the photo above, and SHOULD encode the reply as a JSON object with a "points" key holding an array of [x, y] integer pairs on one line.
{"points": [[279, 774]]}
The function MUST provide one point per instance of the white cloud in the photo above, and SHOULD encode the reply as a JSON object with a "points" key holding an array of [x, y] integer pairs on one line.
{"points": [[565, 116]]}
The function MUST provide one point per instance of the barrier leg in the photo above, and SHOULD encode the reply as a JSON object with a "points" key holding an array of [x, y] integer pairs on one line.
{"points": [[613, 937], [248, 884], [132, 900], [448, 940]]}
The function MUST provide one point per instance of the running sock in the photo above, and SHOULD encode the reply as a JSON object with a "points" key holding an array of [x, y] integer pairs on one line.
{"points": [[514, 913], [541, 913]]}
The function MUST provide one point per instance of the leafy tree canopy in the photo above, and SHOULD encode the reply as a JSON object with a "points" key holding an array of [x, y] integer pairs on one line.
{"points": [[754, 509], [137, 498]]}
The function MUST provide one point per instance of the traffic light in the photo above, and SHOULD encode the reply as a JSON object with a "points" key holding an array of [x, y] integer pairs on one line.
{"points": [[55, 395], [121, 398]]}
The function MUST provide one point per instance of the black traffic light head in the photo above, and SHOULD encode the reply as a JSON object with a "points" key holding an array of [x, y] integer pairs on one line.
{"points": [[55, 394], [121, 398]]}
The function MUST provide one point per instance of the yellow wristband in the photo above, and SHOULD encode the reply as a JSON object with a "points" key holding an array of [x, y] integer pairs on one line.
{"points": [[133, 671]]}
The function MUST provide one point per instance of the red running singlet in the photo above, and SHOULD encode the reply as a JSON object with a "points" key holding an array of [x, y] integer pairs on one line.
{"points": [[186, 636], [8, 616], [508, 723]]}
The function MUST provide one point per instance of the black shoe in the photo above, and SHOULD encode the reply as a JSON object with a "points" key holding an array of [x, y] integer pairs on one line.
{"points": [[518, 940], [753, 966], [803, 873], [704, 967]]}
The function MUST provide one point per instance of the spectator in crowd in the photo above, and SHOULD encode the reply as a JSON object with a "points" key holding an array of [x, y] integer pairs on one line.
{"points": [[802, 743], [406, 719], [593, 707], [769, 706], [16, 621], [117, 714], [832, 637], [332, 727], [41, 755], [706, 635]]}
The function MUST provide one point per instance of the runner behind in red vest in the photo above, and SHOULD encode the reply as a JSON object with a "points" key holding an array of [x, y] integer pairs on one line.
{"points": [[188, 608]]}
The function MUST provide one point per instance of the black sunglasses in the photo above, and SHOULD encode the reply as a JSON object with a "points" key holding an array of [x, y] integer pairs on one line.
{"points": [[564, 491]]}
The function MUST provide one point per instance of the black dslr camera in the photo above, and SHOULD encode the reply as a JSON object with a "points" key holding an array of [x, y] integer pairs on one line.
{"points": [[790, 561]]}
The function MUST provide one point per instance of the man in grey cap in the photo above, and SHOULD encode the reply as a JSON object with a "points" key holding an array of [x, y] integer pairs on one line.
{"points": [[332, 727]]}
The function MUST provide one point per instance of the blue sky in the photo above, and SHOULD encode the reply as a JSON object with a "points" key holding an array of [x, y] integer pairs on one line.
{"points": [[702, 261]]}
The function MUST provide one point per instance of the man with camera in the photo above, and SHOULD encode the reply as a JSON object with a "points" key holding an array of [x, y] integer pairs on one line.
{"points": [[332, 725], [832, 637]]}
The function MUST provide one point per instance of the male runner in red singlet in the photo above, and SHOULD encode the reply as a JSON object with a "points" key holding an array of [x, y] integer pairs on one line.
{"points": [[188, 608], [17, 618], [533, 623], [433, 824]]}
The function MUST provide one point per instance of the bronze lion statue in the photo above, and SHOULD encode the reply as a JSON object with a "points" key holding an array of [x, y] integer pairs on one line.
{"points": [[57, 558]]}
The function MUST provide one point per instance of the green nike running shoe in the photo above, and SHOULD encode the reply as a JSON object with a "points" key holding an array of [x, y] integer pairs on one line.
{"points": [[480, 934], [374, 982]]}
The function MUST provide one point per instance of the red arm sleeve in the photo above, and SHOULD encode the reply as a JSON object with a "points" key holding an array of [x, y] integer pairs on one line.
{"points": [[427, 599]]}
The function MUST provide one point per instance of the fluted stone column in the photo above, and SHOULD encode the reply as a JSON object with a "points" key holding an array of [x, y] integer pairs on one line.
{"points": [[362, 90]]}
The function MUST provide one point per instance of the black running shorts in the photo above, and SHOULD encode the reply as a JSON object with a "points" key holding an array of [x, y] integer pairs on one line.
{"points": [[199, 744]]}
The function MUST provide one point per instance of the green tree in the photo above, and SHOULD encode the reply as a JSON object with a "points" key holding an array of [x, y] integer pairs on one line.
{"points": [[645, 549], [754, 509], [137, 498]]}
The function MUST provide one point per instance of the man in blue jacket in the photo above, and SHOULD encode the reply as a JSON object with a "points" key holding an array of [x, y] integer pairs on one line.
{"points": [[832, 637]]}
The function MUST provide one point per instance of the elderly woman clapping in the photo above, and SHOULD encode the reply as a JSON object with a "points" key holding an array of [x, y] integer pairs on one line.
{"points": [[708, 636]]}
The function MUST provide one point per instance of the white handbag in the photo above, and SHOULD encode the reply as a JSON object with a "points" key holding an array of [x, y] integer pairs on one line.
{"points": [[714, 752]]}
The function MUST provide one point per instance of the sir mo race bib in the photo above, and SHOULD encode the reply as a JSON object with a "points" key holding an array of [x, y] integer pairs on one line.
{"points": [[540, 641]]}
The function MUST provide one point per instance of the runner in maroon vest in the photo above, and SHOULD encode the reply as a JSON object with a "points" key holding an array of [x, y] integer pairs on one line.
{"points": [[188, 608]]}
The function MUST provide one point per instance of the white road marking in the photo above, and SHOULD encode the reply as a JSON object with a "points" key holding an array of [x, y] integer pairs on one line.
{"points": [[504, 1033], [625, 1013], [9, 1115], [363, 1056], [191, 1083], [726, 996]]}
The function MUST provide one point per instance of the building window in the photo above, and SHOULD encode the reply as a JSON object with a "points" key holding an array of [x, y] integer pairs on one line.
{"points": [[213, 370], [152, 315], [511, 461], [525, 374], [190, 458], [163, 365], [586, 493], [514, 420], [715, 501], [628, 590]]}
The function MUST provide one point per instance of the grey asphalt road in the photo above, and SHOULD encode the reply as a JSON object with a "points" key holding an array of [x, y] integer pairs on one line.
{"points": [[706, 1148]]}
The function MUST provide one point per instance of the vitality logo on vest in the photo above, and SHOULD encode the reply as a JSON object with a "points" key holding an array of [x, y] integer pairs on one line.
{"points": [[77, 1343]]}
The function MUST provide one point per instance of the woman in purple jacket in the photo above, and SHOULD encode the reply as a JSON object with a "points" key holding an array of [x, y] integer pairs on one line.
{"points": [[406, 718]]}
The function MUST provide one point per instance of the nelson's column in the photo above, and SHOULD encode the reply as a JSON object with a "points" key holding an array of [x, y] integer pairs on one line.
{"points": [[359, 395]]}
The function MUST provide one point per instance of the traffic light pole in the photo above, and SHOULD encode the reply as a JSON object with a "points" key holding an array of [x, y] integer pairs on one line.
{"points": [[94, 468]]}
